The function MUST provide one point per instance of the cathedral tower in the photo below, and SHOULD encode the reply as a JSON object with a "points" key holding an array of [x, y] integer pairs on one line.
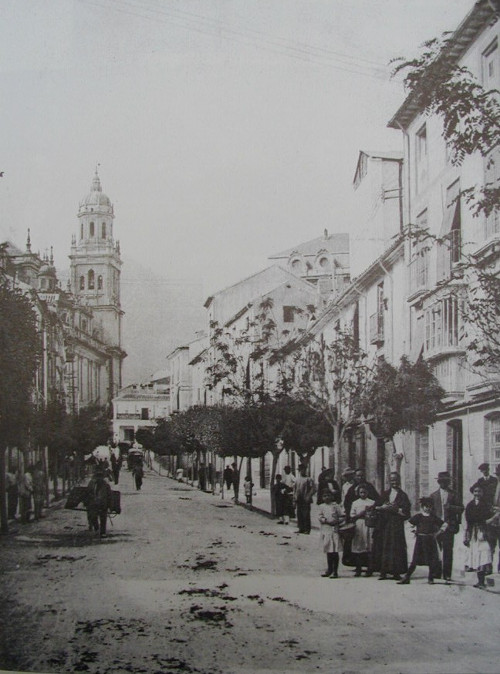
{"points": [[95, 270]]}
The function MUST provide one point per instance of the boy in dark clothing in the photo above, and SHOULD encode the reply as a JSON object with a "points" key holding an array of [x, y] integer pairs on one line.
{"points": [[426, 552], [98, 501]]}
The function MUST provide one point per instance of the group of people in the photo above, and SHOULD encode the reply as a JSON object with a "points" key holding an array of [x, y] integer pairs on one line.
{"points": [[26, 493], [368, 528]]}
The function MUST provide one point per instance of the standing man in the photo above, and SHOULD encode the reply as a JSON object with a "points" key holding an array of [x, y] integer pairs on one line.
{"points": [[236, 481], [351, 494], [446, 505], [304, 491], [394, 508], [228, 477], [98, 501], [488, 484]]}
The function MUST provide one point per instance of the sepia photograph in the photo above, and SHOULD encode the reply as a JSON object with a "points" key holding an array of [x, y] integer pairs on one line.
{"points": [[250, 336]]}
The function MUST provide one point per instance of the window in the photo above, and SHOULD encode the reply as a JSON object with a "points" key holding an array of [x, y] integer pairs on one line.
{"points": [[296, 265], [99, 283], [92, 230], [449, 250], [91, 279], [442, 324], [419, 264], [103, 230], [81, 230], [145, 413], [288, 314], [84, 325], [494, 438], [492, 181], [323, 263], [82, 282], [421, 158], [491, 69]]}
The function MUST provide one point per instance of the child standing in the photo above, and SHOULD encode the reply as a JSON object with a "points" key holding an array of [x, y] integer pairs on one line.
{"points": [[247, 487], [426, 552], [362, 541], [330, 516]]}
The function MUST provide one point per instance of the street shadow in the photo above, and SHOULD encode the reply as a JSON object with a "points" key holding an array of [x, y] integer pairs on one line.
{"points": [[80, 539]]}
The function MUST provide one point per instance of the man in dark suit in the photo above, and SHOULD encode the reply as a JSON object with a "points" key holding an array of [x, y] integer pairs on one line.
{"points": [[488, 484], [446, 505]]}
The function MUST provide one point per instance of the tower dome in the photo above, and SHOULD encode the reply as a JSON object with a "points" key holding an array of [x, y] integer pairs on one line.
{"points": [[96, 200]]}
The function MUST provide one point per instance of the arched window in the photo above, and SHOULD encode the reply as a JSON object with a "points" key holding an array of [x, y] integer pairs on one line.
{"points": [[81, 230], [82, 282], [92, 230], [99, 283], [91, 279], [103, 230]]}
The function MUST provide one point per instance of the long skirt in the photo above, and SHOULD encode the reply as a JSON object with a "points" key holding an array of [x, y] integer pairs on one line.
{"points": [[478, 555]]}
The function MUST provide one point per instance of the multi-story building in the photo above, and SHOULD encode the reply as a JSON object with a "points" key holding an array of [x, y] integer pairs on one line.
{"points": [[80, 325], [140, 406], [468, 432]]}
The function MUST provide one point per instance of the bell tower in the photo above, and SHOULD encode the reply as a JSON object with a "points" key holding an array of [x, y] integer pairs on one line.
{"points": [[95, 270]]}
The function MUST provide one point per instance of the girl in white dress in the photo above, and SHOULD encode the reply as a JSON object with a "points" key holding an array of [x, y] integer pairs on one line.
{"points": [[331, 516], [363, 534]]}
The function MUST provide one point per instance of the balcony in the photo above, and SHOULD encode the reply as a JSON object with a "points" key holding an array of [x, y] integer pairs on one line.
{"points": [[377, 329]]}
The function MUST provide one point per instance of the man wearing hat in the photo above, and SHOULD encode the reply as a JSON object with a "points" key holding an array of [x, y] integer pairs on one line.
{"points": [[488, 484], [446, 505], [494, 522]]}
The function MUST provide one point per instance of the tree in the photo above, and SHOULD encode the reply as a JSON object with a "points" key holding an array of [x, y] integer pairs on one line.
{"points": [[19, 355], [408, 398], [470, 117]]}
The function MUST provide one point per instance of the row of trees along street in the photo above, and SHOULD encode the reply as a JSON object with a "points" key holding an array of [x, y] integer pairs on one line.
{"points": [[30, 428]]}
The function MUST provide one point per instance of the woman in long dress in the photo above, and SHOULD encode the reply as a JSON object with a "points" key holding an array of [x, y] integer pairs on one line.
{"points": [[330, 516], [363, 534], [478, 556]]}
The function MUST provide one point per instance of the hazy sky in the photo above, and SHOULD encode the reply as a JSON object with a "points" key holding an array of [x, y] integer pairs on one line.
{"points": [[226, 130]]}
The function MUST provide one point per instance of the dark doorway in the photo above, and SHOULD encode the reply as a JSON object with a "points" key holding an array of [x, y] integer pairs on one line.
{"points": [[454, 446]]}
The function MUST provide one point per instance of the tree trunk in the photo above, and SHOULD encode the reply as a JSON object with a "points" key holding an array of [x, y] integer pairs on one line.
{"points": [[4, 523]]}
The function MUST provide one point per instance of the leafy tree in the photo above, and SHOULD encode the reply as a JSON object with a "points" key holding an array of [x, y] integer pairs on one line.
{"points": [[470, 117], [408, 398], [19, 355]]}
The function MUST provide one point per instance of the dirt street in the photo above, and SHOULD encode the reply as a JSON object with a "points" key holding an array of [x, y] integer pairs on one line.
{"points": [[186, 582]]}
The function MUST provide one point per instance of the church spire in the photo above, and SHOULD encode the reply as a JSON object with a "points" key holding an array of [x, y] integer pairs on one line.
{"points": [[96, 183], [28, 242]]}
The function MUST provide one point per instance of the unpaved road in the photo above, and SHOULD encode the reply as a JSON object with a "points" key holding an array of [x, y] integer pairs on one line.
{"points": [[186, 582]]}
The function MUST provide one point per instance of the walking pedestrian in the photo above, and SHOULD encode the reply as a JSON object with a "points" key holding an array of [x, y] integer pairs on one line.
{"points": [[394, 508], [228, 477], [478, 557], [138, 474], [361, 545], [447, 506], [304, 490], [38, 490], [98, 501], [330, 517], [115, 467], [25, 490], [425, 553]]}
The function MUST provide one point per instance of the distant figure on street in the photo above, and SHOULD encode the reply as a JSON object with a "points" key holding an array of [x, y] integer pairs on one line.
{"points": [[247, 488], [303, 494], [425, 553], [236, 481], [38, 490], [138, 474], [228, 477], [289, 483], [394, 508], [488, 484], [479, 557], [279, 499], [179, 474], [115, 467], [98, 501], [330, 517], [446, 505], [25, 490], [202, 477], [12, 486]]}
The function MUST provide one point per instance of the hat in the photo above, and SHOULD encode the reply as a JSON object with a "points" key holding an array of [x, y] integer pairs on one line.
{"points": [[443, 475], [347, 472], [484, 466]]}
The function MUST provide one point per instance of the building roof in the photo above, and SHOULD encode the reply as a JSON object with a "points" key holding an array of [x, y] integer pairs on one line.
{"points": [[332, 243], [482, 13]]}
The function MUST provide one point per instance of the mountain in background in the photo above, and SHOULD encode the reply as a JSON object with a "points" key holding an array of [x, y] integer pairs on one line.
{"points": [[160, 314]]}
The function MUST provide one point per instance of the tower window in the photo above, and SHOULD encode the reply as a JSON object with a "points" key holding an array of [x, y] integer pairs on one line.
{"points": [[82, 282], [81, 231], [92, 229], [103, 230], [91, 279], [99, 283]]}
